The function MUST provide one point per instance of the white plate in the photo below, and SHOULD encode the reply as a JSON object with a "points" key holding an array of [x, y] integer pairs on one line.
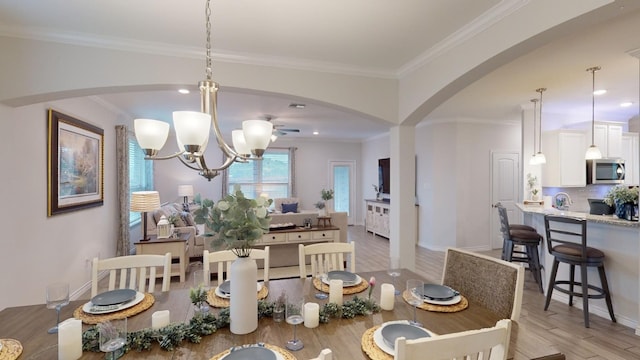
{"points": [[278, 355], [456, 299], [379, 341], [220, 294], [325, 280], [88, 306]]}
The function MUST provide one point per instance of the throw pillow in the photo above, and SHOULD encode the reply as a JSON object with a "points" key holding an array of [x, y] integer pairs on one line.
{"points": [[290, 208]]}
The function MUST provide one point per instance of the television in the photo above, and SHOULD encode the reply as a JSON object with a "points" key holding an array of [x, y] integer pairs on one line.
{"points": [[384, 176]]}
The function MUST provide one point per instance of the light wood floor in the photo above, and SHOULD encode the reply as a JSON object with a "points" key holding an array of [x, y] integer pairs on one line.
{"points": [[560, 328]]}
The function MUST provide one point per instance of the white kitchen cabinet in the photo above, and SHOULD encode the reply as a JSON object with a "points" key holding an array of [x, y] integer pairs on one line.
{"points": [[377, 219], [566, 166], [630, 149], [608, 138]]}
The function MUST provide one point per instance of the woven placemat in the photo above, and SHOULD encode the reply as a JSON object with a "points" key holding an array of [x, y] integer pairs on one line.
{"points": [[463, 304], [370, 348], [348, 290], [11, 349], [93, 319], [285, 353], [216, 301]]}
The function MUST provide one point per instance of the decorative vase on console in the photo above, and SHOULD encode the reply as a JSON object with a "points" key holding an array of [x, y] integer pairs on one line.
{"points": [[327, 197], [239, 222], [321, 206]]}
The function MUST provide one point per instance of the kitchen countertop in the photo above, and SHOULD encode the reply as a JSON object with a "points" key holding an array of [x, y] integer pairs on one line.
{"points": [[601, 219]]}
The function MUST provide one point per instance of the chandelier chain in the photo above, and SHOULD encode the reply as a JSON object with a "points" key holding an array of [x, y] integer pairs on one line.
{"points": [[209, 67], [540, 90]]}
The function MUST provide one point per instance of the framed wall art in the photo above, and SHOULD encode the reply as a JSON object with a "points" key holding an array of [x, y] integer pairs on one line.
{"points": [[75, 164]]}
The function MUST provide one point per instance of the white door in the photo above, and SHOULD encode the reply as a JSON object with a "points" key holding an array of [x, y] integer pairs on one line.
{"points": [[343, 184], [505, 170]]}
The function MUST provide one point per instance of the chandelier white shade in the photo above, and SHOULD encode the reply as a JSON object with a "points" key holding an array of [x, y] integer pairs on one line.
{"points": [[193, 129], [593, 152]]}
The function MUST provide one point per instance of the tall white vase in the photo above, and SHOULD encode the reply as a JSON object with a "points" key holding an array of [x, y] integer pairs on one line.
{"points": [[243, 305]]}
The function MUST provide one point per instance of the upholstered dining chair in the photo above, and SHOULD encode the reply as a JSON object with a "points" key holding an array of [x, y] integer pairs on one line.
{"points": [[486, 344], [133, 272], [222, 261], [493, 283], [335, 253]]}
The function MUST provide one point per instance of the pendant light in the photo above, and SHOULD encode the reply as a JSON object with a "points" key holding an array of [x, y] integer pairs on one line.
{"points": [[593, 152], [534, 159], [541, 159]]}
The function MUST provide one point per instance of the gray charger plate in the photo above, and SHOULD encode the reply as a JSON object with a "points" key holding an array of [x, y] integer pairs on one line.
{"points": [[438, 292], [345, 276], [225, 287], [251, 353], [113, 297], [391, 332]]}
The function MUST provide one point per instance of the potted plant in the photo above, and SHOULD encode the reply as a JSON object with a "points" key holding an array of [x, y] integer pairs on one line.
{"points": [[532, 182], [624, 199], [238, 223], [327, 196], [320, 205]]}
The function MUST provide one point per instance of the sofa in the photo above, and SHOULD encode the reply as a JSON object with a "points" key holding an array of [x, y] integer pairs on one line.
{"points": [[199, 240]]}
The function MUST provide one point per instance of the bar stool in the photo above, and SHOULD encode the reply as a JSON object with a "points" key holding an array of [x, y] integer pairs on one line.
{"points": [[525, 236], [567, 243]]}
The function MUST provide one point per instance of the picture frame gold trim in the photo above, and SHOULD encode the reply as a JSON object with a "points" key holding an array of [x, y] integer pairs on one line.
{"points": [[75, 164]]}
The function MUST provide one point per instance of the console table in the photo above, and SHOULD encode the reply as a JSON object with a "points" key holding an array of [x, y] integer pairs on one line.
{"points": [[300, 235], [177, 246]]}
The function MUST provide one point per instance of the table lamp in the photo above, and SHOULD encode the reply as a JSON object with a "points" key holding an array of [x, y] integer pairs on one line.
{"points": [[185, 191], [144, 201]]}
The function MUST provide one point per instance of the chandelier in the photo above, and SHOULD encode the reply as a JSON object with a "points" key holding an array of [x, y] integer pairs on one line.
{"points": [[194, 128]]}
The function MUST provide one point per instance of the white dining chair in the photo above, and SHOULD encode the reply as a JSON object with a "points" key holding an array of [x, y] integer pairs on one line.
{"points": [[325, 354], [133, 272], [335, 253], [220, 262], [484, 344], [493, 283]]}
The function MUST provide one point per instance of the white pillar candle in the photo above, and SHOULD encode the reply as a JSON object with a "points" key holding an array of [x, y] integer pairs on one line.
{"points": [[160, 319], [311, 315], [335, 291], [70, 339], [387, 296]]}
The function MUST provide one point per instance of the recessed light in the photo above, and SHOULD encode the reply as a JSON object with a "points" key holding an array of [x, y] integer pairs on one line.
{"points": [[600, 92], [626, 104], [297, 105], [183, 91], [315, 133]]}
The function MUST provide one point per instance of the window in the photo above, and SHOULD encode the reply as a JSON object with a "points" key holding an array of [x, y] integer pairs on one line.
{"points": [[271, 175], [140, 174]]}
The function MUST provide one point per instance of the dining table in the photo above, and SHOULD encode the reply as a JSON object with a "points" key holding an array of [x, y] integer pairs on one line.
{"points": [[29, 324]]}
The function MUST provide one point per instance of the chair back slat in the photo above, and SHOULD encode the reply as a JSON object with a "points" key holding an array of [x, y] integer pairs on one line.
{"points": [[504, 221], [568, 231], [130, 272], [332, 252]]}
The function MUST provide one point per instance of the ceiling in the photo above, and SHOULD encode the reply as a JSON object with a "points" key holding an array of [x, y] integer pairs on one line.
{"points": [[346, 37]]}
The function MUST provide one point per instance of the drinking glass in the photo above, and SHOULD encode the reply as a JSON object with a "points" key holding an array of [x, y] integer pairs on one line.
{"points": [[199, 279], [415, 290], [112, 337], [295, 316], [394, 271], [321, 274], [57, 297]]}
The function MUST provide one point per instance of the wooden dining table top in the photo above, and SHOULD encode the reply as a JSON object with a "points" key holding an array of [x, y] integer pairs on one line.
{"points": [[29, 324]]}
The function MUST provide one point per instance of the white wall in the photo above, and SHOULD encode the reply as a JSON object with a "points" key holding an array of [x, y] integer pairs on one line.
{"points": [[62, 244]]}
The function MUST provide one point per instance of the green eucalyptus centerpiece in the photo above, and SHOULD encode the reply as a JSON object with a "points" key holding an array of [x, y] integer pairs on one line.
{"points": [[238, 221]]}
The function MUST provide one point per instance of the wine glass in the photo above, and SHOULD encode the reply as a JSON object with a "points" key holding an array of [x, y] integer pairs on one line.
{"points": [[57, 297], [394, 271], [112, 337], [294, 316], [321, 274], [415, 290]]}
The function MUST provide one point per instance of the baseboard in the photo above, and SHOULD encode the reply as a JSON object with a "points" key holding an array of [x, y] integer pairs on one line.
{"points": [[86, 288], [600, 311]]}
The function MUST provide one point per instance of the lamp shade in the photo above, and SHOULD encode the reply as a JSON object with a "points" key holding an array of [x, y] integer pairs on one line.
{"points": [[257, 134], [593, 153], [239, 143], [185, 190], [145, 201], [540, 158], [192, 127], [151, 134]]}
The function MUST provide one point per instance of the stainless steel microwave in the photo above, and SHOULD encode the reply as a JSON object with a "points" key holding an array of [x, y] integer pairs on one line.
{"points": [[605, 171]]}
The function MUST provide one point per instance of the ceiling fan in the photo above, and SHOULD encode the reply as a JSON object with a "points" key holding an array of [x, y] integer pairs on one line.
{"points": [[279, 129]]}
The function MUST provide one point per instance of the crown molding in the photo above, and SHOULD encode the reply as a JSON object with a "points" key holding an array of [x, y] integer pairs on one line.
{"points": [[476, 26]]}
